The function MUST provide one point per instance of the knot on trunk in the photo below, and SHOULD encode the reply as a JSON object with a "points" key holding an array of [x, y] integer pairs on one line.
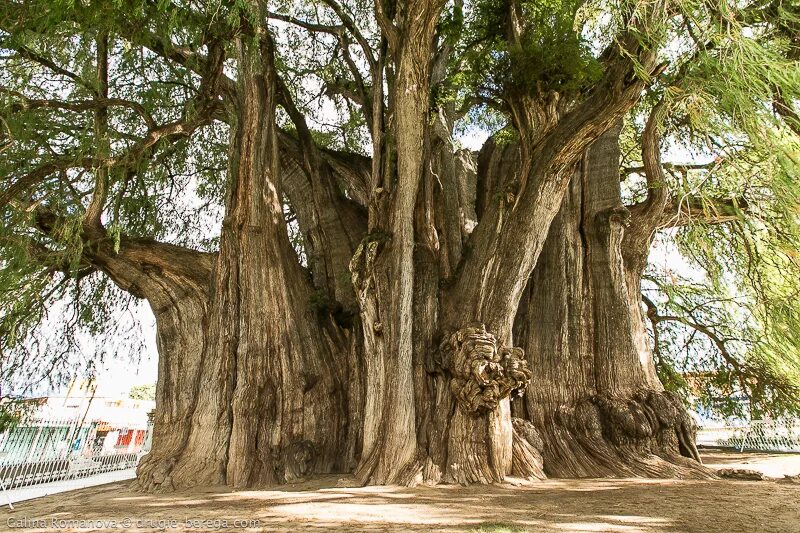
{"points": [[155, 475], [483, 373], [362, 264], [613, 219]]}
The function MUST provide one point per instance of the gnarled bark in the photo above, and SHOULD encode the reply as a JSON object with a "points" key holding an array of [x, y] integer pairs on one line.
{"points": [[175, 283], [383, 265], [392, 351], [272, 400], [594, 395]]}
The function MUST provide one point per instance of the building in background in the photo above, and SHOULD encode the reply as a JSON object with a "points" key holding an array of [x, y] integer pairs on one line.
{"points": [[80, 423]]}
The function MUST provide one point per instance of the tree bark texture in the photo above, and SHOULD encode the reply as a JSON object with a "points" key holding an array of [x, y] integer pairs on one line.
{"points": [[450, 316], [258, 387], [440, 289], [383, 265], [272, 398], [594, 395]]}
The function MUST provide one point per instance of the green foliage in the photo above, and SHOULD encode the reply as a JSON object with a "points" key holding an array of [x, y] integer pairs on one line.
{"points": [[548, 54], [734, 334], [143, 392], [14, 412], [59, 317], [724, 63], [729, 331]]}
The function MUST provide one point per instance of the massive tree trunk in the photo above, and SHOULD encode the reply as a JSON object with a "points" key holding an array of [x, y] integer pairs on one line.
{"points": [[464, 373], [594, 395], [175, 282], [432, 289], [478, 353], [383, 265], [407, 374], [272, 397]]}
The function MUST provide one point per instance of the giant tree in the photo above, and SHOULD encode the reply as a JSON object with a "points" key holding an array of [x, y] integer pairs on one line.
{"points": [[337, 284]]}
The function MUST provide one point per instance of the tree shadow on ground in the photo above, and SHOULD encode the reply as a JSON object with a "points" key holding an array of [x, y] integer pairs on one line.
{"points": [[615, 505]]}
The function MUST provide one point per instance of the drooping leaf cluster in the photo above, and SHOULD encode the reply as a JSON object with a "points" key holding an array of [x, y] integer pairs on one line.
{"points": [[57, 315], [723, 282], [539, 51]]}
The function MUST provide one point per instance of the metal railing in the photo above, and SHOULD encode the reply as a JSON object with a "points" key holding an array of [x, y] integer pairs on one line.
{"points": [[42, 451], [757, 435]]}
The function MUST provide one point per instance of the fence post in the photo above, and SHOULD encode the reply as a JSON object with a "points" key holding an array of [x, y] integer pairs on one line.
{"points": [[746, 436], [8, 496]]}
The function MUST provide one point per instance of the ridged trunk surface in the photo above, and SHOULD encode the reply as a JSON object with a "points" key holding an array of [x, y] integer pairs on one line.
{"points": [[272, 396], [594, 396], [258, 387], [392, 353]]}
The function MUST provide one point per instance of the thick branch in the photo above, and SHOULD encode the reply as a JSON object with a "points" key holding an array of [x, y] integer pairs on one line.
{"points": [[40, 173], [680, 167], [511, 234], [646, 215], [128, 159], [332, 224], [94, 211], [190, 59], [30, 55], [310, 26], [390, 31], [80, 105], [142, 266], [348, 22]]}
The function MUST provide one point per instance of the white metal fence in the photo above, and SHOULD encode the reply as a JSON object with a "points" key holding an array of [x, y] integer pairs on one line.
{"points": [[757, 435], [39, 451]]}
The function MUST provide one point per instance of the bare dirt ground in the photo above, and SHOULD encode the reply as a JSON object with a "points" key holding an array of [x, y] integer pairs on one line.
{"points": [[619, 505]]}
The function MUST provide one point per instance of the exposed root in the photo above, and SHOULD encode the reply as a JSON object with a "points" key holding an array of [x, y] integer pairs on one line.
{"points": [[154, 474], [294, 463], [526, 461], [648, 434], [741, 474]]}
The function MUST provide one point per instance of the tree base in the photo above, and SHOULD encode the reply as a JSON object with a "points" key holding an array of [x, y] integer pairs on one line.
{"points": [[154, 474], [526, 459], [648, 434]]}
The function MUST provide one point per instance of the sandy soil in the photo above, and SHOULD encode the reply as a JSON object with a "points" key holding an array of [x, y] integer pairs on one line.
{"points": [[624, 505], [775, 465]]}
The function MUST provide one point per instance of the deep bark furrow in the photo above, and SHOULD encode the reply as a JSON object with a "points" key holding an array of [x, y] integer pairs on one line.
{"points": [[594, 396], [383, 268], [273, 403], [175, 283]]}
